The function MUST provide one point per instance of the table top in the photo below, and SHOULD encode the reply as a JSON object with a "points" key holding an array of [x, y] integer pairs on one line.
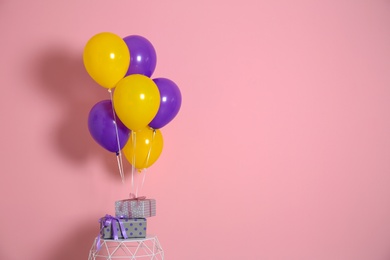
{"points": [[148, 237]]}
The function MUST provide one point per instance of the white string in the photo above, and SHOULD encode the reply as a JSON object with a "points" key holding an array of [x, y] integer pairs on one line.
{"points": [[146, 163], [136, 189], [150, 147], [143, 171], [120, 166], [133, 138], [118, 154], [143, 178]]}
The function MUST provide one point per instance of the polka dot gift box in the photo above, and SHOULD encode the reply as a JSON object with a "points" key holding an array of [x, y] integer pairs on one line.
{"points": [[135, 208], [122, 228]]}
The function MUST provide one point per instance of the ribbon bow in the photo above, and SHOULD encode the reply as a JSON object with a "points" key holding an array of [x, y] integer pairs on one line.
{"points": [[108, 221], [134, 197]]}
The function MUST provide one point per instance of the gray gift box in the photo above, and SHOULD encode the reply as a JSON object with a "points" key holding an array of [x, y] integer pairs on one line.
{"points": [[130, 208], [134, 228]]}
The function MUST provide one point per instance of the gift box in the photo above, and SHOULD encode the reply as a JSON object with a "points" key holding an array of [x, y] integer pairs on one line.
{"points": [[122, 228], [135, 208]]}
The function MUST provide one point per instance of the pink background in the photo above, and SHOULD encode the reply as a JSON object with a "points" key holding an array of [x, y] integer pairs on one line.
{"points": [[281, 149]]}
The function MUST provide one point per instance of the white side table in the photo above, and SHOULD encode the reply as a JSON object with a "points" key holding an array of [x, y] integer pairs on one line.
{"points": [[127, 249]]}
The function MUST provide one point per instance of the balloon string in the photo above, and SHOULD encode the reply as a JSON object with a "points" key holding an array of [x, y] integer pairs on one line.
{"points": [[143, 171], [118, 153], [136, 189], [150, 148], [143, 178], [146, 163], [123, 171], [120, 165], [133, 137]]}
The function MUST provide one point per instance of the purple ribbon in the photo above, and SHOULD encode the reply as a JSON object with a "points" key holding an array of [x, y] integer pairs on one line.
{"points": [[109, 221]]}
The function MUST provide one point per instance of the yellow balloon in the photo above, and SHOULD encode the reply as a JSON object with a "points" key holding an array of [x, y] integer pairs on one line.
{"points": [[144, 147], [106, 59], [136, 101]]}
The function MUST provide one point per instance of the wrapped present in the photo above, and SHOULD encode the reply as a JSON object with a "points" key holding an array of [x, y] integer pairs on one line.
{"points": [[135, 207], [122, 228]]}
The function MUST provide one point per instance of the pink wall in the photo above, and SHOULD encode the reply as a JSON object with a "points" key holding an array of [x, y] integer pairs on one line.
{"points": [[280, 151]]}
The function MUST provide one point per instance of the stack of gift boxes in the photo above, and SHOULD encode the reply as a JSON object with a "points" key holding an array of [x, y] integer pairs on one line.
{"points": [[129, 220]]}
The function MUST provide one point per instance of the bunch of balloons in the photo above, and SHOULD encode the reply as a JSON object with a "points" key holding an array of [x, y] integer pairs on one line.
{"points": [[131, 119]]}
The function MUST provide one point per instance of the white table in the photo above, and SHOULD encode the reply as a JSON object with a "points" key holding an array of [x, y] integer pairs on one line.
{"points": [[134, 249]]}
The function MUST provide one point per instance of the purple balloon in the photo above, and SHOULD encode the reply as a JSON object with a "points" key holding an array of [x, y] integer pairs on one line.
{"points": [[170, 102], [102, 126], [143, 57]]}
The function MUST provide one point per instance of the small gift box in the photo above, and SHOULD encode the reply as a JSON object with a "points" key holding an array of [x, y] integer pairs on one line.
{"points": [[135, 208], [122, 228]]}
